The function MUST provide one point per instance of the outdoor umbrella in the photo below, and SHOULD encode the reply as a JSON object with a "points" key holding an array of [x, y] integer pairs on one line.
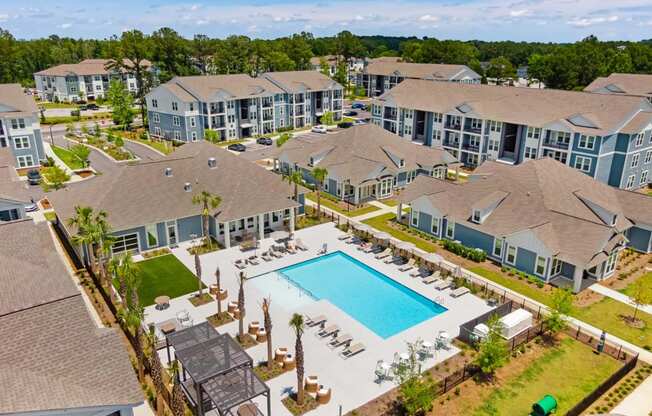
{"points": [[362, 228], [406, 246], [381, 236]]}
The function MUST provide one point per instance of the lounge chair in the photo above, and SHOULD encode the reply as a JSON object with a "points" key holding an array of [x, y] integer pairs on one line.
{"points": [[240, 264], [266, 257], [354, 240], [420, 272], [392, 259], [289, 246], [344, 237], [431, 279], [384, 253], [328, 331], [275, 253], [460, 291], [443, 284], [253, 260], [299, 244], [373, 249], [353, 350], [407, 266], [344, 339], [323, 249], [364, 246], [315, 320]]}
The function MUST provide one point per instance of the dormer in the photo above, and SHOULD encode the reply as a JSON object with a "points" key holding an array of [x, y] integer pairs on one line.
{"points": [[582, 120], [318, 156], [613, 88], [397, 158], [483, 208], [606, 215]]}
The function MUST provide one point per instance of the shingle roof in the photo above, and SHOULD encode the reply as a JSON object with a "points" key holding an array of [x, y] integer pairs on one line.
{"points": [[297, 81], [85, 67], [363, 153], [141, 194], [234, 85], [623, 84], [442, 72], [545, 196], [530, 106], [53, 357], [11, 187], [18, 103]]}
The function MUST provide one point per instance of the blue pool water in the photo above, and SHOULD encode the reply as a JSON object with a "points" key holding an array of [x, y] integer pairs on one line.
{"points": [[373, 299]]}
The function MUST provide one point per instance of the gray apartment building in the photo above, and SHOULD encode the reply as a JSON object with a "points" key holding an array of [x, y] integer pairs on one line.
{"points": [[238, 105], [542, 217], [20, 130], [382, 74], [608, 137], [88, 79]]}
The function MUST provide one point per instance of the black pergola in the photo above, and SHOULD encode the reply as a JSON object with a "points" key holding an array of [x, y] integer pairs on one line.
{"points": [[217, 372]]}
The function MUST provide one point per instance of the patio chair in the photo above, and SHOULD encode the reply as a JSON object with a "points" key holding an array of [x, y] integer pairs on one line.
{"points": [[364, 246], [253, 260], [266, 257], [290, 247], [354, 240], [323, 249], [316, 320], [407, 266], [372, 249], [299, 244], [353, 350], [240, 264], [344, 339], [344, 237], [420, 272], [384, 253], [330, 330], [431, 279], [443, 284], [460, 291], [275, 253], [393, 259]]}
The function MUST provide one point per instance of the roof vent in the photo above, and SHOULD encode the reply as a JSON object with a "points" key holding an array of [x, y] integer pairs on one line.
{"points": [[212, 163], [187, 187], [168, 172]]}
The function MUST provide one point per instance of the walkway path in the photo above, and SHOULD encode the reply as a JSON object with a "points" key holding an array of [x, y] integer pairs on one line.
{"points": [[638, 403], [620, 297], [384, 209]]}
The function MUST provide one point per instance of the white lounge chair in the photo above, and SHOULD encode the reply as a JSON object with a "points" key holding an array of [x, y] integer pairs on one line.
{"points": [[407, 266], [316, 320], [392, 259], [354, 240], [443, 284], [420, 272], [266, 257], [460, 291], [344, 237], [330, 330], [431, 279], [240, 264], [353, 350], [253, 260], [384, 253], [370, 248], [299, 244], [344, 339], [364, 246], [323, 249]]}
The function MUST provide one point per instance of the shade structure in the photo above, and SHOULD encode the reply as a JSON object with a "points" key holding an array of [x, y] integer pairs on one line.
{"points": [[280, 235], [405, 245], [212, 357], [433, 258], [234, 388], [381, 236], [362, 228]]}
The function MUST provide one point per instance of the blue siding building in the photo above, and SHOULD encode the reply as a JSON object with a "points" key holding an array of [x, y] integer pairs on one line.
{"points": [[20, 130]]}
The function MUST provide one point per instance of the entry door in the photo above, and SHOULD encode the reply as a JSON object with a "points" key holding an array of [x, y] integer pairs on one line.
{"points": [[172, 232]]}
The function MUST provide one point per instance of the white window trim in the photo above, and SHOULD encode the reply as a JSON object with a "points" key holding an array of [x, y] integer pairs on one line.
{"points": [[25, 158], [648, 157], [450, 226], [502, 244], [643, 178], [556, 267], [479, 215], [586, 145], [193, 123], [635, 159], [536, 266], [434, 222], [20, 141], [583, 159], [631, 179], [507, 255]]}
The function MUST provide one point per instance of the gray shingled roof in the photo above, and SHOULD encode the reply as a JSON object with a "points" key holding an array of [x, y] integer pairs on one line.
{"points": [[441, 72], [141, 194], [363, 153], [299, 81], [233, 85], [53, 356], [624, 84], [85, 67], [530, 106], [544, 196], [11, 187], [19, 103]]}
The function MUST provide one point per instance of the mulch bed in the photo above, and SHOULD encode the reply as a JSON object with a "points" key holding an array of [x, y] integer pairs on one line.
{"points": [[221, 319], [201, 300], [309, 403], [267, 374], [247, 341]]}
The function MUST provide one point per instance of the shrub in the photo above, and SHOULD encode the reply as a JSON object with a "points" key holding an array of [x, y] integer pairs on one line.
{"points": [[470, 253]]}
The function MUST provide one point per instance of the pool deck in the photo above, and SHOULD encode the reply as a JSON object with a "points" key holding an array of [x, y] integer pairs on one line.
{"points": [[352, 381]]}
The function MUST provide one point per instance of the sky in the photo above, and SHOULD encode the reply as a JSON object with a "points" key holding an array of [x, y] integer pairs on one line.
{"points": [[524, 20]]}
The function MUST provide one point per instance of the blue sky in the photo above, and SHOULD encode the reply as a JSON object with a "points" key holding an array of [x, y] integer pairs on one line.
{"points": [[528, 20]]}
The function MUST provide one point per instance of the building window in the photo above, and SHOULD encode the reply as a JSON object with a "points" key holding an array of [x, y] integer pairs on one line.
{"points": [[128, 242], [493, 145], [586, 142], [476, 216], [635, 159], [556, 267], [643, 178], [476, 123], [157, 131], [639, 139], [154, 103], [583, 163], [630, 181], [450, 229], [192, 122], [437, 117], [156, 118], [21, 142], [18, 123], [175, 106], [192, 106], [434, 227], [152, 235], [193, 136], [533, 133], [177, 135], [648, 157], [25, 161], [495, 126], [511, 255], [176, 121], [530, 152], [540, 267], [610, 263], [498, 247], [415, 218]]}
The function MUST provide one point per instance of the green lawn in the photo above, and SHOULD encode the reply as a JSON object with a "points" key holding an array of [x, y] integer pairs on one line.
{"points": [[162, 147], [326, 202], [647, 278], [568, 372], [520, 286], [380, 223], [164, 275], [72, 161], [389, 202], [47, 105]]}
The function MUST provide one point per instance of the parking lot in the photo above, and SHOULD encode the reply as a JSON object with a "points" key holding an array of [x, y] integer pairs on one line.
{"points": [[257, 151]]}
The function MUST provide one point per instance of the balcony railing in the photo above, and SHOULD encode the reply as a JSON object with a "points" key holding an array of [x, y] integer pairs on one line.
{"points": [[471, 147], [472, 129], [556, 145], [451, 143], [454, 126]]}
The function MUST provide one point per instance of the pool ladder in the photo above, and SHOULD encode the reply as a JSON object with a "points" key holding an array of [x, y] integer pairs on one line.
{"points": [[292, 283]]}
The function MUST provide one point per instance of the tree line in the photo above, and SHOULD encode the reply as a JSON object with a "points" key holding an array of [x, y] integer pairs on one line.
{"points": [[558, 65]]}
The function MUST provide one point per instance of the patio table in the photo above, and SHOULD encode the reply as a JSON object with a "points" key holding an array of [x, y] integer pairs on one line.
{"points": [[168, 326], [162, 302], [248, 409]]}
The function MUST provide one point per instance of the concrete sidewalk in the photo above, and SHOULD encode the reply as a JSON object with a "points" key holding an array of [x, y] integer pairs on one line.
{"points": [[620, 297], [638, 403]]}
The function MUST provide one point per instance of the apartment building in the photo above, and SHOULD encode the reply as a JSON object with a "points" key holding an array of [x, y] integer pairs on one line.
{"points": [[542, 217], [20, 130], [623, 84], [355, 65], [383, 74], [363, 162], [88, 79], [608, 137], [236, 106]]}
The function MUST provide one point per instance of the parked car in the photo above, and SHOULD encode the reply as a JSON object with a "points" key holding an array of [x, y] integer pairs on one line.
{"points": [[237, 147], [319, 129], [358, 106], [82, 107], [264, 140], [345, 124], [33, 177], [92, 107], [351, 113], [31, 207], [359, 122]]}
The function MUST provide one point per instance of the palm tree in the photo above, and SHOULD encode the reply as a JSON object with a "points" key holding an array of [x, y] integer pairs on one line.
{"points": [[219, 289], [198, 272], [294, 178], [82, 220], [94, 233], [297, 324], [132, 318], [155, 367], [207, 201], [124, 268], [268, 330], [320, 175], [241, 307], [178, 399]]}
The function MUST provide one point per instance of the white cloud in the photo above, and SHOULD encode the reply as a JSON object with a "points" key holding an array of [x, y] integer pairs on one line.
{"points": [[519, 13], [195, 7], [429, 18], [4, 17], [202, 22], [586, 22], [65, 25], [358, 18]]}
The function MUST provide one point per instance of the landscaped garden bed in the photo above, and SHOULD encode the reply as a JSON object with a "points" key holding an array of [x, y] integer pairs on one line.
{"points": [[199, 300], [221, 319], [108, 144], [341, 207], [266, 374], [309, 403], [204, 247], [155, 253], [309, 219], [68, 157], [388, 224], [139, 135], [616, 394]]}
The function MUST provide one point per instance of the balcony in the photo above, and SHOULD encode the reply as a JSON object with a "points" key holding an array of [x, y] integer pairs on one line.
{"points": [[471, 129], [390, 114], [268, 102], [451, 143], [555, 144], [217, 108], [472, 147], [452, 125]]}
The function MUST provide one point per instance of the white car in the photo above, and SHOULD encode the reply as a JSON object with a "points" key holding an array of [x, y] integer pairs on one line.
{"points": [[319, 129]]}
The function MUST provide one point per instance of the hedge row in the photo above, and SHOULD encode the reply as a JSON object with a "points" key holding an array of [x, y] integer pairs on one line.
{"points": [[470, 253]]}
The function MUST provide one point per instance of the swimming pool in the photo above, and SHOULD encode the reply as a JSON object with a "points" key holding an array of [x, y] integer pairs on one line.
{"points": [[381, 304]]}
